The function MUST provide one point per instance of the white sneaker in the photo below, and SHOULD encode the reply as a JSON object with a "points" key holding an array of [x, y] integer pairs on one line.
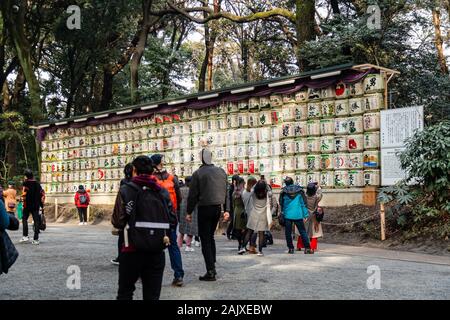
{"points": [[189, 249], [260, 254], [35, 242], [80, 224], [197, 243], [24, 239], [85, 223], [242, 251]]}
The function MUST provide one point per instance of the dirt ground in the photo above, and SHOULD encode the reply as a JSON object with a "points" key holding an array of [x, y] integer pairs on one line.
{"points": [[338, 226]]}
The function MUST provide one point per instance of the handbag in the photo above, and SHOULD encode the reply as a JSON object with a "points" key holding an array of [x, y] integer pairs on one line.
{"points": [[281, 220], [43, 222], [319, 213], [8, 252], [11, 205], [13, 223]]}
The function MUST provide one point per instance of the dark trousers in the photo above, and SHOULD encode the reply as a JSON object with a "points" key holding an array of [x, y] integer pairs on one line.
{"points": [[208, 217], [36, 222], [147, 266], [230, 226], [120, 243], [301, 228], [239, 234], [82, 214]]}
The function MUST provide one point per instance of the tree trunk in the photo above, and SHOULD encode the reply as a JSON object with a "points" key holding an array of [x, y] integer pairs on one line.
{"points": [[305, 26], [438, 40], [204, 67], [107, 90], [16, 26]]}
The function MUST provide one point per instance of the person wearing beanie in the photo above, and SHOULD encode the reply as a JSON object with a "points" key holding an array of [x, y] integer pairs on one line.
{"points": [[170, 183], [208, 192], [82, 200]]}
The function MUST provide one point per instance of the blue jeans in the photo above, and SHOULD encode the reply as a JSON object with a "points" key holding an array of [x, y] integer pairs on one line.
{"points": [[301, 228], [175, 256]]}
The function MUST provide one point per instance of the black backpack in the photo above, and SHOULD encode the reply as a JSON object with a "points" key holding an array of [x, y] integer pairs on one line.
{"points": [[148, 224]]}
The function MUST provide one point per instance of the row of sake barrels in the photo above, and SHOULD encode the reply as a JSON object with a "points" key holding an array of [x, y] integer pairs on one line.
{"points": [[98, 187], [340, 178]]}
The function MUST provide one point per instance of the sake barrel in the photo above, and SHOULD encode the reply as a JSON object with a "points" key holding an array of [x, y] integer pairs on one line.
{"points": [[341, 179], [371, 159], [232, 136], [356, 106], [327, 93], [231, 151], [341, 90], [327, 144], [243, 119], [355, 160], [340, 126], [241, 151], [355, 143], [253, 103], [253, 120], [326, 126], [313, 127], [313, 176], [327, 179], [372, 121], [314, 110], [243, 105], [355, 125], [327, 108], [300, 129], [373, 83], [275, 133], [275, 148], [313, 162], [242, 136], [276, 181], [340, 143], [230, 167], [340, 161], [221, 138], [252, 150], [313, 144], [211, 124], [356, 89], [373, 102], [265, 118], [221, 123], [242, 166], [252, 136], [277, 165], [220, 153], [289, 111], [301, 145], [264, 102], [232, 107], [288, 98], [276, 115], [221, 108], [252, 166], [355, 178], [232, 120], [288, 164], [264, 134], [302, 95], [287, 147], [300, 162], [265, 166], [301, 112], [276, 100], [372, 178], [371, 140], [326, 162], [211, 111], [300, 178], [314, 94], [287, 130]]}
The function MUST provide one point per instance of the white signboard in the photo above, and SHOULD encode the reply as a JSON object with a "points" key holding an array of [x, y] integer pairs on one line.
{"points": [[396, 126]]}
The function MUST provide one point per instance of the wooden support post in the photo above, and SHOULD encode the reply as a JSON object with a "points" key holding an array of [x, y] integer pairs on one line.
{"points": [[88, 212], [382, 222], [56, 209]]}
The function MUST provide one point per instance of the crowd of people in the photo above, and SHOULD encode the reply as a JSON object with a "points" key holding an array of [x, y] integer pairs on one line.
{"points": [[193, 209], [155, 211]]}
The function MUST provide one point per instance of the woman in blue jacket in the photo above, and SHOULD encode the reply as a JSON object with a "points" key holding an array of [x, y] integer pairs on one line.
{"points": [[294, 210]]}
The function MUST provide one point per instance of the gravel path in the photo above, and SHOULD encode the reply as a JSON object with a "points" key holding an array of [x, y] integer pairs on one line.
{"points": [[336, 272]]}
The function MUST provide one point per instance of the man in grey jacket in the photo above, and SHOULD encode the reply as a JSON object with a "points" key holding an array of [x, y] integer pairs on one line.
{"points": [[208, 191]]}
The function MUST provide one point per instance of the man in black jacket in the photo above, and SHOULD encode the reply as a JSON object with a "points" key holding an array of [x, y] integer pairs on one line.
{"points": [[32, 200], [208, 191]]}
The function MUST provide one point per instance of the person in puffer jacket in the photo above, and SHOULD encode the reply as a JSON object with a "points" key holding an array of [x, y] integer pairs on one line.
{"points": [[82, 200], [293, 208]]}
